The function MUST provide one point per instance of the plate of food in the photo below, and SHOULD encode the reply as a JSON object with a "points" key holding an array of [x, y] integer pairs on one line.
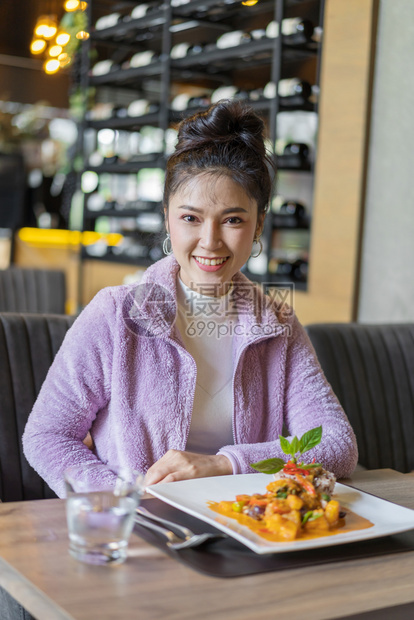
{"points": [[292, 507]]}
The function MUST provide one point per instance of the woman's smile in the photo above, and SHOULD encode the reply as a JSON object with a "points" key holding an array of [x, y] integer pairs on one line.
{"points": [[210, 264]]}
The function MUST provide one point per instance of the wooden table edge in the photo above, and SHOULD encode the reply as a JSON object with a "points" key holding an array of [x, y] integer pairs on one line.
{"points": [[28, 595], [37, 603]]}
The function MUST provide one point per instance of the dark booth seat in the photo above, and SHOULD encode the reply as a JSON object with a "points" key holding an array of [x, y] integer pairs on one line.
{"points": [[28, 345], [371, 370], [32, 290]]}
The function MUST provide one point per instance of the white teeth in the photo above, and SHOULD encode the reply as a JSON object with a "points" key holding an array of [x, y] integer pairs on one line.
{"points": [[208, 261]]}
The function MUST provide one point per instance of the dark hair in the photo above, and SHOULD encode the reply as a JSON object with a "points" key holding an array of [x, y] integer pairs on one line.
{"points": [[228, 138]]}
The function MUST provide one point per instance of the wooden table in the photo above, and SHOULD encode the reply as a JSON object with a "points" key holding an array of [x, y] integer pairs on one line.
{"points": [[36, 569]]}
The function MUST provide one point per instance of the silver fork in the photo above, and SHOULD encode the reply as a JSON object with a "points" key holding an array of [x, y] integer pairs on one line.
{"points": [[182, 531], [188, 539]]}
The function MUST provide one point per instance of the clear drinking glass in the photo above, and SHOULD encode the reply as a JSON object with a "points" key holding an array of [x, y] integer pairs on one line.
{"points": [[100, 510]]}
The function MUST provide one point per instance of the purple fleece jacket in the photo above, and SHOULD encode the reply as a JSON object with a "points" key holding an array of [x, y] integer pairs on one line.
{"points": [[123, 374]]}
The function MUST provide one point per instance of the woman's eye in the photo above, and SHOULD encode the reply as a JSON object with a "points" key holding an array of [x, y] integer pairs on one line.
{"points": [[189, 218], [233, 220]]}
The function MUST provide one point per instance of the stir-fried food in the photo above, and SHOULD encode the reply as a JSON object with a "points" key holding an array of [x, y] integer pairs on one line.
{"points": [[291, 508], [298, 503]]}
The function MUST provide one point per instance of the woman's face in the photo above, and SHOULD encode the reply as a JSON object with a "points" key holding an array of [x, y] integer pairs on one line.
{"points": [[212, 223]]}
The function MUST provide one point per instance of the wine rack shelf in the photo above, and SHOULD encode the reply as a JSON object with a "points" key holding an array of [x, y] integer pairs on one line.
{"points": [[247, 67]]}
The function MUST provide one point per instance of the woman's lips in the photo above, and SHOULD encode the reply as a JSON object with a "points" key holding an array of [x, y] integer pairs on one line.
{"points": [[206, 265]]}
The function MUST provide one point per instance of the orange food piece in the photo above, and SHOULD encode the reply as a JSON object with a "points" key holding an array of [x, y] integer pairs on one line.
{"points": [[332, 512], [288, 530], [275, 485], [279, 506], [294, 516], [273, 522], [294, 502], [242, 498]]}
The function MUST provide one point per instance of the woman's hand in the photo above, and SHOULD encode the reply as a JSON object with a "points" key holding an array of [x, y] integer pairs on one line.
{"points": [[176, 465]]}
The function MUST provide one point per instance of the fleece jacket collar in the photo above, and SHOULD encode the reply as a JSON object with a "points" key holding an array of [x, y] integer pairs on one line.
{"points": [[157, 293]]}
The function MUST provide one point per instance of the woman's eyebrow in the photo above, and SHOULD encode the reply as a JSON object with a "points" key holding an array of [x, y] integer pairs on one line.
{"points": [[224, 212]]}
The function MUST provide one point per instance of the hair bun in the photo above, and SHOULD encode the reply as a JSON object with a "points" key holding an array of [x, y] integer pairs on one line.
{"points": [[226, 121]]}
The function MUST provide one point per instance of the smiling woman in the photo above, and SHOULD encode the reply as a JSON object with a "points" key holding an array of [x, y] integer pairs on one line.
{"points": [[217, 191], [195, 371], [212, 223]]}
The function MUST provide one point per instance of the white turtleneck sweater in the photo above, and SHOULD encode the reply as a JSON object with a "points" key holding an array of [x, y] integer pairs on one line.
{"points": [[205, 325]]}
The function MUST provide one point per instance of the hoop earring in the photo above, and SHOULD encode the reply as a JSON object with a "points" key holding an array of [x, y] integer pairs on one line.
{"points": [[259, 241], [167, 250]]}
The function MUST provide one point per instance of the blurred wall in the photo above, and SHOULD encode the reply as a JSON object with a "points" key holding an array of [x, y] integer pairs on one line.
{"points": [[23, 80], [344, 106], [387, 280]]}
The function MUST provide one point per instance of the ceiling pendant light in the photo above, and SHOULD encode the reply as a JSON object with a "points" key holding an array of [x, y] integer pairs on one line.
{"points": [[82, 35], [55, 50], [72, 5], [42, 26], [51, 30], [51, 66], [37, 46], [64, 60], [62, 38]]}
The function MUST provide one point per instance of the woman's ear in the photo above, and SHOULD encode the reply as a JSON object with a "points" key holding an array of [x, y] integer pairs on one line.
{"points": [[166, 219], [260, 224]]}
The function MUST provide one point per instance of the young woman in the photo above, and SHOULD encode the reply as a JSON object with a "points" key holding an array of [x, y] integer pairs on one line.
{"points": [[194, 371]]}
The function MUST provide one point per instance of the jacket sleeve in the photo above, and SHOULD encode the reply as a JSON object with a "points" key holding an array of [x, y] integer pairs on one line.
{"points": [[308, 402], [76, 388]]}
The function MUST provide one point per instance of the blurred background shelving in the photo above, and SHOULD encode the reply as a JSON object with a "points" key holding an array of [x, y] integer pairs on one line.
{"points": [[156, 63]]}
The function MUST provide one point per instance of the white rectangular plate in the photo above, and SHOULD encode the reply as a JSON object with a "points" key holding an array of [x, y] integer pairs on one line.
{"points": [[191, 496]]}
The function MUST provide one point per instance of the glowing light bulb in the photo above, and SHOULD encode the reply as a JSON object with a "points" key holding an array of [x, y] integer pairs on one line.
{"points": [[249, 2], [41, 29], [51, 66], [42, 26], [63, 38], [72, 5], [64, 59], [82, 35], [50, 31], [37, 46], [83, 6], [55, 50]]}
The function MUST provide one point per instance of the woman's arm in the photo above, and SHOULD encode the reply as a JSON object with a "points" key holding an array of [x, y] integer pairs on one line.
{"points": [[75, 389], [308, 402]]}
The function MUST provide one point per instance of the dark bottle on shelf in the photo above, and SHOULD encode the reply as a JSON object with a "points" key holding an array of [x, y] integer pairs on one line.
{"points": [[197, 48], [297, 31], [112, 159], [296, 270], [154, 6], [300, 271], [242, 95], [291, 214], [293, 209], [284, 269], [295, 155], [293, 91], [297, 148], [199, 101]]}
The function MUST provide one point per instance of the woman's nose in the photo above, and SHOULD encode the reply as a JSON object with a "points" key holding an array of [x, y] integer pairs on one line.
{"points": [[210, 236]]}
